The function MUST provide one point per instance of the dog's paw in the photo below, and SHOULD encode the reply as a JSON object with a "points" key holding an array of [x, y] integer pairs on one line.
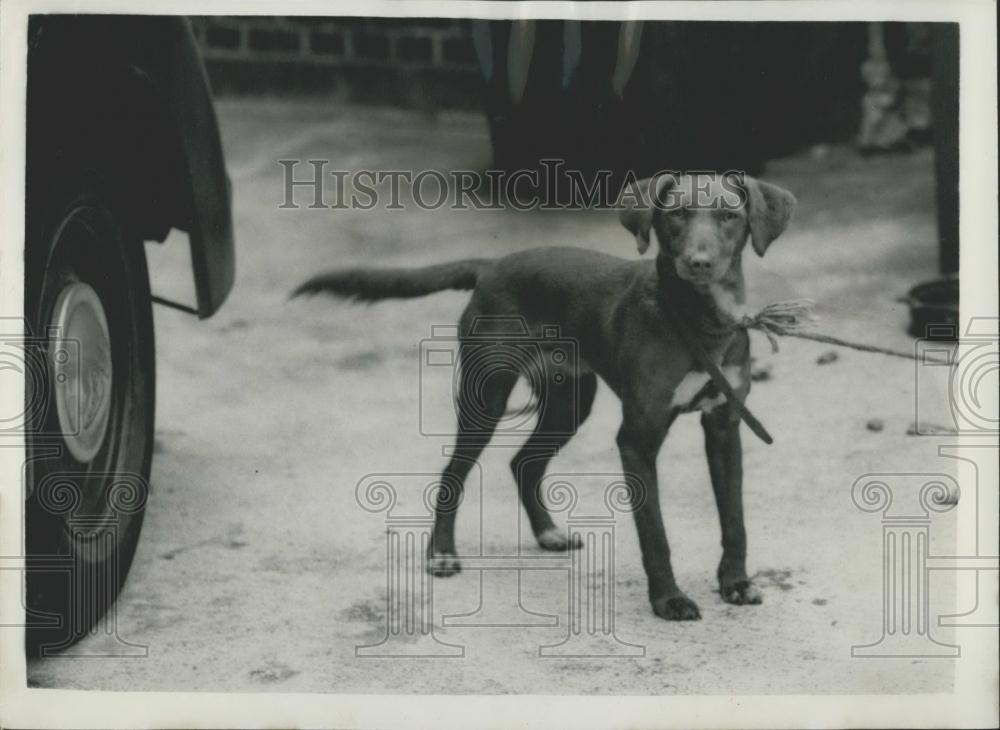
{"points": [[554, 539], [676, 608], [741, 593], [443, 565]]}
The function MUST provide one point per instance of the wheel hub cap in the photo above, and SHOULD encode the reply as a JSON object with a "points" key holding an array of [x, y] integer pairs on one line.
{"points": [[81, 364]]}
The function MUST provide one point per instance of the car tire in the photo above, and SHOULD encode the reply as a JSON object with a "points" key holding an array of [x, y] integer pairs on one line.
{"points": [[90, 402]]}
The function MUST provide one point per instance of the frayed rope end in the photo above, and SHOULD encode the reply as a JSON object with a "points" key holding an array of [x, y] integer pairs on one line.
{"points": [[787, 317]]}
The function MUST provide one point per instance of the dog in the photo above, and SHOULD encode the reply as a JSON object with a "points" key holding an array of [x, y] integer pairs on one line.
{"points": [[623, 315]]}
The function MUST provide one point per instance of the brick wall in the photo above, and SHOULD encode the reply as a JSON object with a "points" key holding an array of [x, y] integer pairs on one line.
{"points": [[408, 61], [430, 63]]}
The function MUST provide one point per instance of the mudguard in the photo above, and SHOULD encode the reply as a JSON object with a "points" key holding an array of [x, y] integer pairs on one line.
{"points": [[127, 97]]}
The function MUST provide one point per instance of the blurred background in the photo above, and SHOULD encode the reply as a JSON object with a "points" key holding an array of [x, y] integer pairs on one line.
{"points": [[625, 95]]}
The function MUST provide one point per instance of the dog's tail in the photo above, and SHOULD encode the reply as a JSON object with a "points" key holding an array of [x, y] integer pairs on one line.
{"points": [[371, 285]]}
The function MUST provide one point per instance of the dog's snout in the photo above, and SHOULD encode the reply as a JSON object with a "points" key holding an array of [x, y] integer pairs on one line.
{"points": [[699, 263]]}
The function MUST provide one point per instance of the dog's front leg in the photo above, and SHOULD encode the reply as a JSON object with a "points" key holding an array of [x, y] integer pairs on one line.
{"points": [[725, 465], [638, 449]]}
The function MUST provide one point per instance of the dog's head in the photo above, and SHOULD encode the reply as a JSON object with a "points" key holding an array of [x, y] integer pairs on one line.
{"points": [[703, 221]]}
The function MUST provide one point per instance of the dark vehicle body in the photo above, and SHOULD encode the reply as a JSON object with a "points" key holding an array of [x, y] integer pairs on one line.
{"points": [[122, 145], [127, 96]]}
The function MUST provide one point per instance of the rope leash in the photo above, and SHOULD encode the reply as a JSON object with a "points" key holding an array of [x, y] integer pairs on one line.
{"points": [[791, 317], [718, 379], [787, 318]]}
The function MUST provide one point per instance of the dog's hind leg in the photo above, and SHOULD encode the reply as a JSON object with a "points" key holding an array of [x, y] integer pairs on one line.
{"points": [[478, 415], [562, 410]]}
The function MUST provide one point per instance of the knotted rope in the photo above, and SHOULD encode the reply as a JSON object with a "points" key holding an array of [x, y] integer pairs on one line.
{"points": [[792, 317], [787, 318]]}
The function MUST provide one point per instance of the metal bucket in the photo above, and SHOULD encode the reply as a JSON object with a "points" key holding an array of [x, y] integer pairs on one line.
{"points": [[934, 309]]}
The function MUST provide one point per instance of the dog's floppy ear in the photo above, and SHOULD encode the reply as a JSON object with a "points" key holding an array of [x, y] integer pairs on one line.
{"points": [[769, 208], [638, 203]]}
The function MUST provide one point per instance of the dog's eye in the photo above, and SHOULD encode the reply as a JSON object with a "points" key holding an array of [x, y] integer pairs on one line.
{"points": [[729, 215]]}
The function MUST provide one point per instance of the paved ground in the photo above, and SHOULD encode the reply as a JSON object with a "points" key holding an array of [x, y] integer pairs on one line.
{"points": [[258, 570]]}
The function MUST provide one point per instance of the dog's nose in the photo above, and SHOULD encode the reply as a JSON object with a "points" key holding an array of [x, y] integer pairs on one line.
{"points": [[699, 263]]}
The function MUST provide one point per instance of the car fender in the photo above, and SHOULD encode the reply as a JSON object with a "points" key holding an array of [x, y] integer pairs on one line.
{"points": [[135, 104]]}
